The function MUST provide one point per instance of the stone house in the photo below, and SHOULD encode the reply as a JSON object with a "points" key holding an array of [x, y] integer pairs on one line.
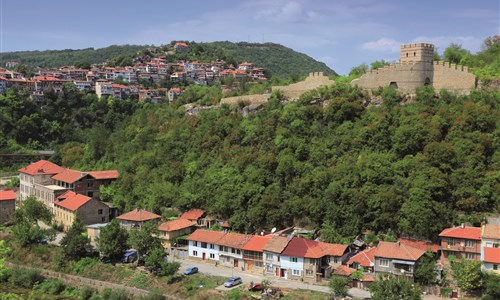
{"points": [[272, 253], [462, 242], [7, 206], [136, 218], [396, 258], [171, 232], [203, 244], [253, 252], [490, 248], [36, 173], [85, 183], [230, 249], [70, 206]]}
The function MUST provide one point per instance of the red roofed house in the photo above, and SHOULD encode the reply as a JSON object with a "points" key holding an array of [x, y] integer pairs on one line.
{"points": [[230, 249], [423, 245], [203, 244], [172, 231], [396, 258], [70, 205], [253, 252], [181, 47], [7, 205], [137, 217], [85, 183], [462, 242], [490, 248], [199, 216], [36, 173], [272, 253], [310, 260], [364, 259]]}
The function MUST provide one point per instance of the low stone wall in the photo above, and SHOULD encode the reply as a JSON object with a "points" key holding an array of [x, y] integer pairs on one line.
{"points": [[250, 99]]}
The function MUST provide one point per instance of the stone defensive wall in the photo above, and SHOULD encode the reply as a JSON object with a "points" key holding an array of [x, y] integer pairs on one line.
{"points": [[250, 99], [453, 77]]}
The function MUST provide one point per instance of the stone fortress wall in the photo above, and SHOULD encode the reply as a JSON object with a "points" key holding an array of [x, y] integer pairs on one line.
{"points": [[416, 68], [292, 91]]}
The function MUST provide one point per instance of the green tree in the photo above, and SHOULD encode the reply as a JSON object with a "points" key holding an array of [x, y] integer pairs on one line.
{"points": [[75, 243], [144, 239], [338, 286], [467, 274], [492, 284], [394, 288], [455, 53], [27, 231], [425, 272], [112, 240], [4, 252], [156, 261]]}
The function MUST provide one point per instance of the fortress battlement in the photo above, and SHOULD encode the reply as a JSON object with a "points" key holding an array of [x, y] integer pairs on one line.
{"points": [[315, 74], [417, 45], [451, 66]]}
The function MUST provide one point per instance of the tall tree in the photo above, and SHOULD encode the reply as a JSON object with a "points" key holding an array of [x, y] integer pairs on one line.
{"points": [[394, 288], [112, 240], [75, 243], [144, 239]]}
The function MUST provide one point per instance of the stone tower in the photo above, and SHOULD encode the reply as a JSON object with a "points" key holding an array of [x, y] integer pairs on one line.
{"points": [[412, 53]]}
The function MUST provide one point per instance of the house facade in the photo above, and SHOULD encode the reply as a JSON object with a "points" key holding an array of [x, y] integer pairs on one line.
{"points": [[253, 253], [137, 218], [7, 206], [36, 173], [396, 258], [171, 231], [203, 244], [70, 206], [272, 255], [363, 260], [463, 242], [230, 249], [490, 248]]}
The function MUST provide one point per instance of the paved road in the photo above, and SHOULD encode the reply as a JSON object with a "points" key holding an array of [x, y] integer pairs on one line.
{"points": [[223, 271]]}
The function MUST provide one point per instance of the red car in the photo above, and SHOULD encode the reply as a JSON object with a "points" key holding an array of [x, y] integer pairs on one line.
{"points": [[257, 286]]}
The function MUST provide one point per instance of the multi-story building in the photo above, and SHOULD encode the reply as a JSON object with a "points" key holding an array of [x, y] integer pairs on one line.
{"points": [[396, 258], [40, 172], [7, 206], [253, 253], [272, 253], [463, 242], [70, 206], [203, 244], [230, 249], [490, 248], [171, 232], [137, 218]]}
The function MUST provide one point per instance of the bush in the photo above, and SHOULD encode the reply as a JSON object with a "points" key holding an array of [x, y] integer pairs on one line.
{"points": [[51, 286], [109, 294], [153, 295], [24, 277], [82, 264], [85, 293]]}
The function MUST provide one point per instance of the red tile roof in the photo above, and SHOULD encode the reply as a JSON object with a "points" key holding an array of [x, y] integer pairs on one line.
{"points": [[72, 201], [469, 233], [175, 225], [423, 245], [107, 174], [41, 167], [257, 243], [234, 240], [138, 215], [343, 271], [368, 278], [491, 231], [69, 176], [7, 195], [332, 249], [492, 255], [298, 247], [193, 214], [206, 236], [398, 251], [365, 258]]}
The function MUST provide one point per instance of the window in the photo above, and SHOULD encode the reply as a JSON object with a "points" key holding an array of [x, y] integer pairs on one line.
{"points": [[469, 244], [295, 272], [212, 255], [195, 243], [309, 273], [90, 183], [384, 262], [211, 246], [90, 194], [495, 267], [451, 242], [293, 259], [269, 256], [312, 261], [99, 211], [195, 253], [103, 219], [203, 245], [470, 256], [335, 260]]}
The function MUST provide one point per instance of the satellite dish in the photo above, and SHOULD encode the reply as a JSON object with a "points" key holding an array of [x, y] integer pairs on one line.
{"points": [[273, 230], [372, 264]]}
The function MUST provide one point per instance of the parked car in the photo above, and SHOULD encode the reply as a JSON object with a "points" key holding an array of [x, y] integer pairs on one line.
{"points": [[191, 270], [129, 256], [233, 281], [42, 241], [255, 286], [105, 260]]}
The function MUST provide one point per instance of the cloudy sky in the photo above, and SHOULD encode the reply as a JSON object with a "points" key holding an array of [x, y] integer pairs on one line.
{"points": [[340, 33]]}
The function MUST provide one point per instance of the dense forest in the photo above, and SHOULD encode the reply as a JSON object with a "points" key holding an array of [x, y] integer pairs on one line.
{"points": [[339, 167]]}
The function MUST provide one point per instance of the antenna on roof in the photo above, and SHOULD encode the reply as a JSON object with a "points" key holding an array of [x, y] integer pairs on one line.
{"points": [[273, 230]]}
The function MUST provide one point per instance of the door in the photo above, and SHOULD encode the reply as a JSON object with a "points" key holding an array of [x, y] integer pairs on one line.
{"points": [[235, 263], [204, 256]]}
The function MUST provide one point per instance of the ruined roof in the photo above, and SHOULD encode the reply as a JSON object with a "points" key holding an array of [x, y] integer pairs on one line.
{"points": [[41, 167], [175, 225], [398, 251], [491, 231], [138, 215], [7, 195], [206, 236], [462, 232], [276, 244]]}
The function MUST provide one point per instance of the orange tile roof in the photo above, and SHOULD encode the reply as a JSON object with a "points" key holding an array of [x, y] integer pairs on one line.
{"points": [[176, 225], [343, 271], [369, 278], [256, 243], [72, 201], [193, 214], [69, 176], [492, 255], [470, 233], [138, 215], [423, 245], [332, 249], [41, 167], [7, 195], [491, 231], [234, 240], [107, 174], [398, 251], [365, 258], [206, 236]]}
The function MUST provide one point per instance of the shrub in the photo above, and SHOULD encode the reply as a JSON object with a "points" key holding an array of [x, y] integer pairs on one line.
{"points": [[24, 277], [85, 293], [51, 286], [84, 263], [153, 295]]}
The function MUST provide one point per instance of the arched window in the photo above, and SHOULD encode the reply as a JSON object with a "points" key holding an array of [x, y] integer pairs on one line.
{"points": [[427, 81]]}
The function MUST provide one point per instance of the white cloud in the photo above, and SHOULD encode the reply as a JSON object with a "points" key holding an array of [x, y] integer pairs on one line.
{"points": [[382, 45]]}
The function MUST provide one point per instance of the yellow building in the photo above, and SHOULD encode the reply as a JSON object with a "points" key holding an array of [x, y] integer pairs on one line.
{"points": [[71, 205], [168, 231]]}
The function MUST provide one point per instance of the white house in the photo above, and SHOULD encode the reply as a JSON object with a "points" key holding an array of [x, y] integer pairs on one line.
{"points": [[203, 244]]}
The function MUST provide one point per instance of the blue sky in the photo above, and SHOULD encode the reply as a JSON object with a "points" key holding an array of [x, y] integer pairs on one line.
{"points": [[342, 34]]}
